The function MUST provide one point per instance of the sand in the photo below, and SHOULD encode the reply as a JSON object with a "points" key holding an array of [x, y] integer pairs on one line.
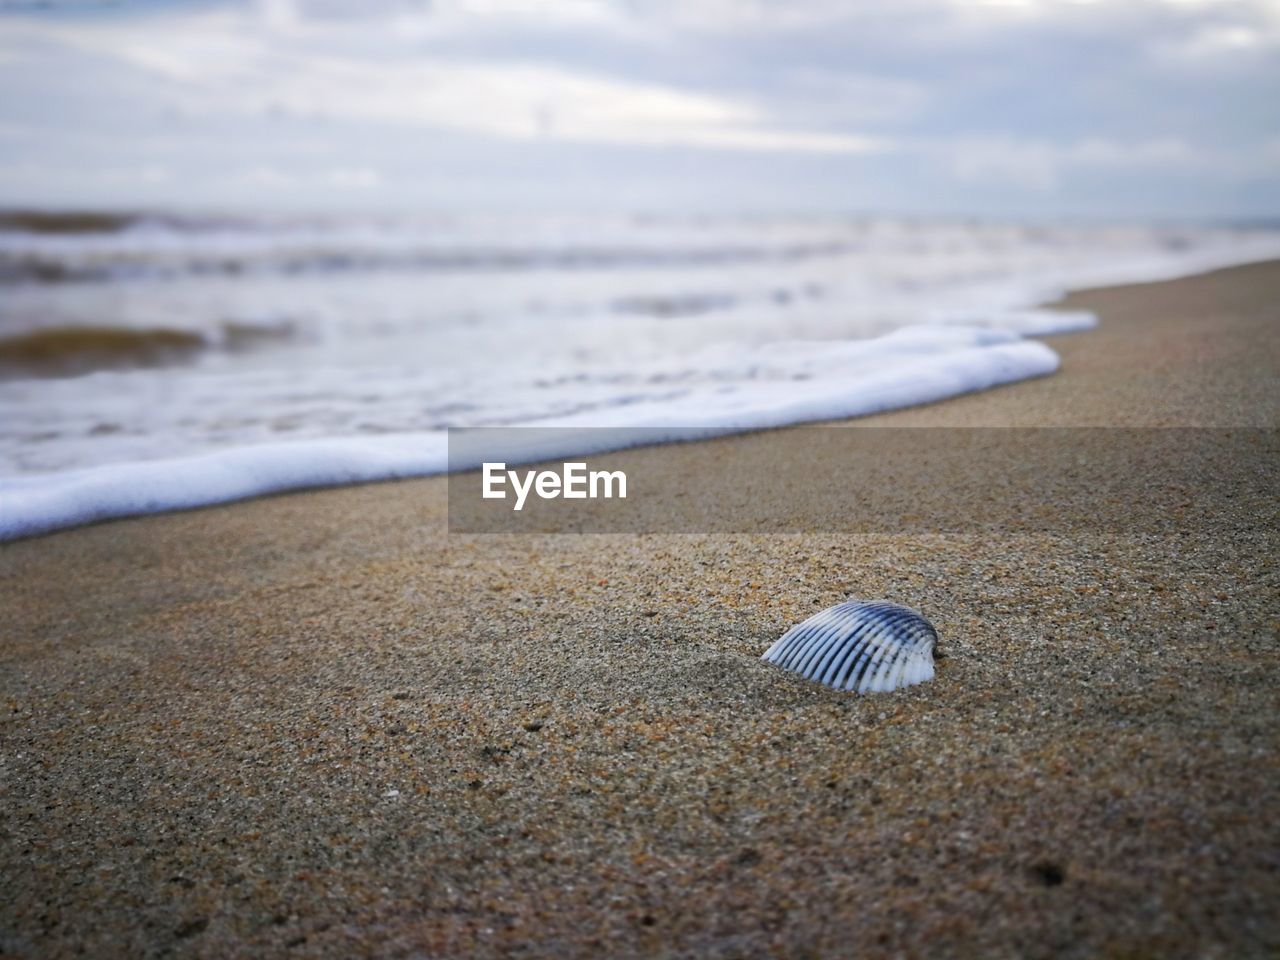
{"points": [[318, 725]]}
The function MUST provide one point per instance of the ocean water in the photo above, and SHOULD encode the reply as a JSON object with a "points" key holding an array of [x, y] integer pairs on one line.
{"points": [[149, 363]]}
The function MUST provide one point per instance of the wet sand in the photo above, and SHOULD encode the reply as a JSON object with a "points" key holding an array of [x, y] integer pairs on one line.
{"points": [[318, 725]]}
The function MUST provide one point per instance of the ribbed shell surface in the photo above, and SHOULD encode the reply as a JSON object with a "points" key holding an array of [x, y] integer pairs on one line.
{"points": [[861, 645]]}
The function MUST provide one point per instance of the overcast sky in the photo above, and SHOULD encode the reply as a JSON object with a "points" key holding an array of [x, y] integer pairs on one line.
{"points": [[1115, 108]]}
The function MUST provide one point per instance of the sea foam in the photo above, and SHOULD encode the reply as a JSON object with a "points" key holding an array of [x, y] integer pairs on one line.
{"points": [[340, 351], [835, 381]]}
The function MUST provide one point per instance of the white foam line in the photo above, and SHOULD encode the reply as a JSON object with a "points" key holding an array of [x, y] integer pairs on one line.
{"points": [[910, 366]]}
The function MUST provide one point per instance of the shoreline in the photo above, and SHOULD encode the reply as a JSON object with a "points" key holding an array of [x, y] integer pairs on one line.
{"points": [[318, 723], [78, 497]]}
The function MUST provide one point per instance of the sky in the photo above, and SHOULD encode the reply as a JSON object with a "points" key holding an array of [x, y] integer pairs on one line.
{"points": [[1111, 109]]}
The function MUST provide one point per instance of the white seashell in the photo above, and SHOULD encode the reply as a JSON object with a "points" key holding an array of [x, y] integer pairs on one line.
{"points": [[864, 645]]}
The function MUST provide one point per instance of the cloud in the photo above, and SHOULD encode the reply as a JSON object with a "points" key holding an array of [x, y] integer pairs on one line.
{"points": [[221, 65], [1039, 165], [1222, 41], [1077, 105], [353, 178]]}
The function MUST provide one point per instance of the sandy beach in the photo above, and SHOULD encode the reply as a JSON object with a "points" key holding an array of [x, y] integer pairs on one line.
{"points": [[319, 725]]}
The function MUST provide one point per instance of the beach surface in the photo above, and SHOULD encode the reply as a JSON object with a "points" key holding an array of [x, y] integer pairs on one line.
{"points": [[319, 725]]}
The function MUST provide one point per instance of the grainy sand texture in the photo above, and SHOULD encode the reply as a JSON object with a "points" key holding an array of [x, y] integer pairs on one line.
{"points": [[319, 725]]}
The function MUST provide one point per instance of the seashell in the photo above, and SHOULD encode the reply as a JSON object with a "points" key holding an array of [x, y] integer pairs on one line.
{"points": [[863, 645]]}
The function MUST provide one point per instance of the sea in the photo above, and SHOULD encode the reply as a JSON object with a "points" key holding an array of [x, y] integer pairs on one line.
{"points": [[159, 361]]}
